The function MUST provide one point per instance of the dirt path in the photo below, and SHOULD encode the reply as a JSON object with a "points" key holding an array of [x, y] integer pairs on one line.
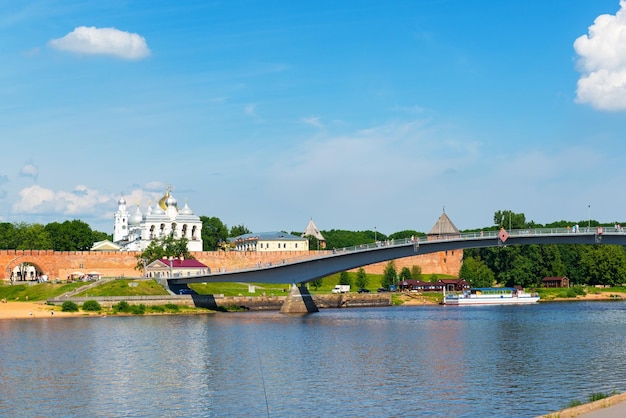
{"points": [[15, 310]]}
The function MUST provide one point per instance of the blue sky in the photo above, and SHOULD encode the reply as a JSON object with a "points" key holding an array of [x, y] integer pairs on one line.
{"points": [[358, 114]]}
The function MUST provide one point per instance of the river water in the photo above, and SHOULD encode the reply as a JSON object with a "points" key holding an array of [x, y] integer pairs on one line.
{"points": [[429, 361]]}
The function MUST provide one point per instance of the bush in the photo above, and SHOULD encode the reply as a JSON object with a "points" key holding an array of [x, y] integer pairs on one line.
{"points": [[122, 306], [579, 290], [69, 306], [92, 306], [171, 307], [138, 309]]}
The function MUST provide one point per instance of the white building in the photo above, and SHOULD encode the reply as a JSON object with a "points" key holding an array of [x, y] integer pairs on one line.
{"points": [[270, 241], [134, 232]]}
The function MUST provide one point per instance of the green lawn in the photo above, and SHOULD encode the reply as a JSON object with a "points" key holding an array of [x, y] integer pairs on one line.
{"points": [[36, 292], [126, 287], [236, 289]]}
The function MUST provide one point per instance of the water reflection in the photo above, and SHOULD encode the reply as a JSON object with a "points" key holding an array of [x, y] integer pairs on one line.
{"points": [[410, 361]]}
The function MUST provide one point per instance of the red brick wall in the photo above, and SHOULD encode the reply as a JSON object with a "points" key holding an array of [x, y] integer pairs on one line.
{"points": [[116, 264]]}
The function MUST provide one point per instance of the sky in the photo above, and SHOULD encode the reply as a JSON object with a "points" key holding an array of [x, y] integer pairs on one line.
{"points": [[359, 114]]}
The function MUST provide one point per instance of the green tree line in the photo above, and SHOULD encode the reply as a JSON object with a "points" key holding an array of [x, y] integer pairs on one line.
{"points": [[67, 236], [527, 265]]}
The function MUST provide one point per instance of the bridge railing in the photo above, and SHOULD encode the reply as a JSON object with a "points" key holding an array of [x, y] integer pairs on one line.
{"points": [[416, 241]]}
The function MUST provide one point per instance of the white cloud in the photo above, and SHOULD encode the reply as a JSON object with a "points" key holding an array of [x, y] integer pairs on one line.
{"points": [[81, 201], [602, 62], [313, 121], [155, 186], [103, 41], [250, 110], [29, 170]]}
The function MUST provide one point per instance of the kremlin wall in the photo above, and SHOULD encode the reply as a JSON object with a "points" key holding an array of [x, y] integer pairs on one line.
{"points": [[61, 264]]}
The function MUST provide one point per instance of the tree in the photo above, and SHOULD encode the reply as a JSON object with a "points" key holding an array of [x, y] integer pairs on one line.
{"points": [[317, 283], [416, 272], [605, 265], [476, 273], [213, 232], [344, 278], [165, 247], [361, 278], [337, 238], [390, 275], [237, 230], [314, 243], [408, 233], [7, 236], [405, 274], [101, 236], [509, 220], [70, 235], [32, 237]]}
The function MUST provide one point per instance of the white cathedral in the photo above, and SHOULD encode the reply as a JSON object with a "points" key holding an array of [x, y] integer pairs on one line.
{"points": [[135, 232]]}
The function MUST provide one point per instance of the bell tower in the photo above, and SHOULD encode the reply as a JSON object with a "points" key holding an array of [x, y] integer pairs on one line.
{"points": [[120, 226]]}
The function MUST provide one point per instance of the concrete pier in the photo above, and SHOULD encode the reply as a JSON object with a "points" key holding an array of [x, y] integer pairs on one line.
{"points": [[299, 301]]}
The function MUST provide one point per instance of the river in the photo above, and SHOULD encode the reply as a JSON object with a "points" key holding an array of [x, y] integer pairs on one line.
{"points": [[423, 361]]}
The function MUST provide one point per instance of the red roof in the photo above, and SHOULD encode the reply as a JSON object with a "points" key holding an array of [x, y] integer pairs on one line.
{"points": [[187, 263], [553, 279]]}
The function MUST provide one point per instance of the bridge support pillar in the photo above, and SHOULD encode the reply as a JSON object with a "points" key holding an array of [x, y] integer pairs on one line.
{"points": [[299, 301]]}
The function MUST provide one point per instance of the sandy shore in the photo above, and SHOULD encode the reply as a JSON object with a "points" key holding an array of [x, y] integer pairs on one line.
{"points": [[15, 310]]}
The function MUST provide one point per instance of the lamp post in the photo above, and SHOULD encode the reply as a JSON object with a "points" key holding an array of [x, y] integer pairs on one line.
{"points": [[588, 218], [375, 240]]}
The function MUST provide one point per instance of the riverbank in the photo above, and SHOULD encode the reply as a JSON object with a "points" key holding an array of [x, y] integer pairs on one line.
{"points": [[20, 310], [16, 310], [611, 407]]}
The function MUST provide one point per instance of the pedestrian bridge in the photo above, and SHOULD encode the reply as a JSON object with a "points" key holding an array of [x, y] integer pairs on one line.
{"points": [[303, 270]]}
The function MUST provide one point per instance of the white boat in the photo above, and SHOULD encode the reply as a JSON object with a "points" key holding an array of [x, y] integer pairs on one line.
{"points": [[490, 296]]}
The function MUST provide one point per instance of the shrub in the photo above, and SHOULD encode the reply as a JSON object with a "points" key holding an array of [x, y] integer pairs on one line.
{"points": [[69, 306], [138, 309], [122, 306], [171, 306], [579, 290], [92, 306], [157, 308]]}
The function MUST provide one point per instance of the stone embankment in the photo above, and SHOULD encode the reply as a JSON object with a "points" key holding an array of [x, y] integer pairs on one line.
{"points": [[249, 303]]}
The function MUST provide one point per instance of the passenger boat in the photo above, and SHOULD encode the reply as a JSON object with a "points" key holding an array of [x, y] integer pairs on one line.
{"points": [[490, 296]]}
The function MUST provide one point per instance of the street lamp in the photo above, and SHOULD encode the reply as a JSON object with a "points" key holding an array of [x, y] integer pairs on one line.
{"points": [[588, 218], [375, 240]]}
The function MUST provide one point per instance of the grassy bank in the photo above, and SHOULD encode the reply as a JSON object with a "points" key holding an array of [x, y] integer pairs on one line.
{"points": [[37, 291], [579, 292]]}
